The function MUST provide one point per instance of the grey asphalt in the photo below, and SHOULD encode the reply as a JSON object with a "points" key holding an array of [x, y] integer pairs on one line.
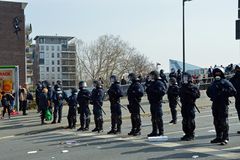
{"points": [[22, 134]]}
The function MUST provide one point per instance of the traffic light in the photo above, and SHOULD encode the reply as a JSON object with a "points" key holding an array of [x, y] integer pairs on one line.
{"points": [[237, 29]]}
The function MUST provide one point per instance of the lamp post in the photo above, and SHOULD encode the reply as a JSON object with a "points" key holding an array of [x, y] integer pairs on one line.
{"points": [[184, 34]]}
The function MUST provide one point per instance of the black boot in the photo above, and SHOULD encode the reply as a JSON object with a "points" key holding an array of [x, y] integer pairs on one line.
{"points": [[133, 125], [87, 124], [113, 123], [96, 125], [160, 127], [154, 129], [100, 128]]}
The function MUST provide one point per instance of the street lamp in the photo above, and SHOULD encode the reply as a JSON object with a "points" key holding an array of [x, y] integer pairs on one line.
{"points": [[184, 34]]}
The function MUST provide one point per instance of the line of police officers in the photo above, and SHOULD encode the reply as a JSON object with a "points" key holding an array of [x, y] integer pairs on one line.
{"points": [[219, 91]]}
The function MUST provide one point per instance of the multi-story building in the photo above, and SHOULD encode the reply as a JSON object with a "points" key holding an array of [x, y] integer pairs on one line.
{"points": [[29, 56], [12, 33], [55, 59]]}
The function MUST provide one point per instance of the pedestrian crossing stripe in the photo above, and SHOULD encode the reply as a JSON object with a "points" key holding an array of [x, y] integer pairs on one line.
{"points": [[228, 155], [202, 150], [166, 144], [231, 149]]}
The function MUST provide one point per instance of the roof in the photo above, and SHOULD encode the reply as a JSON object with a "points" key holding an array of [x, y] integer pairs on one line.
{"points": [[24, 4], [63, 37]]}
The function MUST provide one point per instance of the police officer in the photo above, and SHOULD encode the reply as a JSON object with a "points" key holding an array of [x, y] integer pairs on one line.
{"points": [[58, 98], [163, 76], [83, 100], [173, 73], [188, 94], [219, 92], [179, 77], [155, 92], [135, 93], [235, 80], [97, 102], [173, 92], [115, 92], [72, 111]]}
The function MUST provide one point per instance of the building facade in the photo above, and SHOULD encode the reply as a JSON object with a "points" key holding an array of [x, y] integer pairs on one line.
{"points": [[29, 56], [12, 33], [55, 59]]}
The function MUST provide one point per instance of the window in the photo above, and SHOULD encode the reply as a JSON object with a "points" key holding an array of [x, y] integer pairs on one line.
{"points": [[41, 48], [58, 62], [52, 62], [52, 55], [42, 76], [47, 76], [52, 48], [59, 76], [58, 69], [58, 55], [53, 69], [58, 48], [47, 62], [47, 69], [47, 48], [41, 55], [41, 69], [41, 40], [47, 55]]}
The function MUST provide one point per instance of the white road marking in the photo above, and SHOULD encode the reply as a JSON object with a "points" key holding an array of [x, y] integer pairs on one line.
{"points": [[231, 149], [7, 137]]}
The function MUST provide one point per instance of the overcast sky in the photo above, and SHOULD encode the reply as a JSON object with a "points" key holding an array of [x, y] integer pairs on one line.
{"points": [[154, 27]]}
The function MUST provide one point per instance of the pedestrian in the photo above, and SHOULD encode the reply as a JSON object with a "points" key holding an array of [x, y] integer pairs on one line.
{"points": [[72, 111], [179, 77], [173, 94], [123, 81], [188, 94], [97, 96], [44, 104], [83, 98], [155, 93], [134, 94], [38, 91], [115, 92], [219, 92], [23, 99], [6, 103], [58, 99], [235, 80]]}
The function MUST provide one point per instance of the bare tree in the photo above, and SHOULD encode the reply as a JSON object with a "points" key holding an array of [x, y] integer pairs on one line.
{"points": [[110, 55]]}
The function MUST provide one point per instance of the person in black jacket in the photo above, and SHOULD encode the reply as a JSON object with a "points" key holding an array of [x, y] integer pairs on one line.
{"points": [[115, 92], [38, 91], [163, 76], [135, 93], [83, 100], [235, 80], [219, 92], [173, 92], [188, 94], [155, 92], [6, 103], [58, 97], [43, 104], [173, 73], [97, 102], [72, 111]]}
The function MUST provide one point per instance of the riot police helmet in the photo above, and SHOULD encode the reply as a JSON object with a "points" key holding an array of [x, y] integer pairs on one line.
{"points": [[74, 91], [187, 78], [237, 69], [218, 72], [82, 84], [132, 77], [172, 81], [97, 83], [113, 79], [154, 75]]}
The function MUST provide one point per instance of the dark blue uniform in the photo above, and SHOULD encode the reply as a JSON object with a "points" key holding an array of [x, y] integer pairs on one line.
{"points": [[115, 92], [58, 97], [83, 100], [72, 111], [135, 93], [188, 94], [97, 101], [219, 92], [155, 92], [173, 92], [235, 80]]}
